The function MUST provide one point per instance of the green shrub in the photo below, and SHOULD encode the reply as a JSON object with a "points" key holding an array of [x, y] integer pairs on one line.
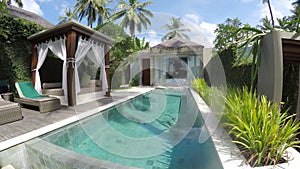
{"points": [[203, 89], [256, 124], [135, 81], [236, 75], [15, 49]]}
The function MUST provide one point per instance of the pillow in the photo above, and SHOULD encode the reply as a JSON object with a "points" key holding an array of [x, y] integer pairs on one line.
{"points": [[52, 85]]}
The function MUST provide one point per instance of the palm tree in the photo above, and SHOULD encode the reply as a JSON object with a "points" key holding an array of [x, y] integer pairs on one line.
{"points": [[266, 24], [69, 15], [175, 29], [270, 9], [296, 14], [134, 14], [8, 2], [92, 9]]}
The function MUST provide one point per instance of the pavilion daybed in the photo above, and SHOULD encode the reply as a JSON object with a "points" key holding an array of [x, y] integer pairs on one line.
{"points": [[53, 89], [29, 96], [9, 111]]}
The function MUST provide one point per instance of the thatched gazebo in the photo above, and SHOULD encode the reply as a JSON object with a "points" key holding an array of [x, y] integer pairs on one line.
{"points": [[71, 42]]}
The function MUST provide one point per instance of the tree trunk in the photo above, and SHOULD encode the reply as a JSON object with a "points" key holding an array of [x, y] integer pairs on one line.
{"points": [[132, 30], [271, 13]]}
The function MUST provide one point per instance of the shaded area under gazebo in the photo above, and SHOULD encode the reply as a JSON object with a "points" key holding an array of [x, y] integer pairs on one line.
{"points": [[71, 42]]}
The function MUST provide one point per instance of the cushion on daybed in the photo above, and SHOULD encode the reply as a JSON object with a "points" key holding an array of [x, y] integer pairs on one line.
{"points": [[28, 90], [53, 89], [52, 85]]}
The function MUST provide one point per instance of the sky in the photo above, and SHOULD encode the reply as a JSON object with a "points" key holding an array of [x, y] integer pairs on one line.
{"points": [[200, 16]]}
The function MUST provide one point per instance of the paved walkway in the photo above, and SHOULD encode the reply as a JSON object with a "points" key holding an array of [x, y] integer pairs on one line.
{"points": [[33, 120]]}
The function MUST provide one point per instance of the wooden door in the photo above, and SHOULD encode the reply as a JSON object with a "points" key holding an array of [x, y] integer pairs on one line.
{"points": [[146, 72]]}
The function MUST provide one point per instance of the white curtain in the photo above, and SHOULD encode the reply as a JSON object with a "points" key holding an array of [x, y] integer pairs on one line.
{"points": [[58, 47], [42, 53], [82, 49], [97, 57]]}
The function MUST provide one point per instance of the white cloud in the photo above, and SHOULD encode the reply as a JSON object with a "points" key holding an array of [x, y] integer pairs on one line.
{"points": [[193, 18], [32, 6], [151, 36], [201, 32], [152, 33], [64, 6], [209, 30]]}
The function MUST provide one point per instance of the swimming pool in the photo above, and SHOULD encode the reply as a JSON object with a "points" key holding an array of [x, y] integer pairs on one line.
{"points": [[156, 130]]}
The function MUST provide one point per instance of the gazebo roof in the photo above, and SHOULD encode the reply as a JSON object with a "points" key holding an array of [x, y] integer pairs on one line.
{"points": [[177, 43], [29, 16], [64, 28], [177, 46]]}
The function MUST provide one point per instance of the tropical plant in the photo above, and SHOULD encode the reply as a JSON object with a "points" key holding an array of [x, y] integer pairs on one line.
{"points": [[203, 89], [112, 30], [295, 18], [135, 81], [175, 29], [212, 95], [69, 16], [8, 2], [256, 124], [226, 33], [3, 9], [288, 24], [123, 49], [266, 24], [93, 10], [270, 9], [15, 48], [134, 15], [248, 48], [243, 40]]}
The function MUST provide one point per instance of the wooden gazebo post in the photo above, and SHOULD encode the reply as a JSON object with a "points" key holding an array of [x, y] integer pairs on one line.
{"points": [[34, 61], [71, 49], [107, 67]]}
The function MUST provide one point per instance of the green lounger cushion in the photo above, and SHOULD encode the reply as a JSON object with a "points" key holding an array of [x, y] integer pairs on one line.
{"points": [[28, 90]]}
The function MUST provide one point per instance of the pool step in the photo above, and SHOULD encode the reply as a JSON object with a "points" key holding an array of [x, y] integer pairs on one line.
{"points": [[8, 167]]}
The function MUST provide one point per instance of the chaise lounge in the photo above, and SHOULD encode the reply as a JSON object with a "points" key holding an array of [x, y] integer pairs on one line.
{"points": [[9, 111], [29, 96]]}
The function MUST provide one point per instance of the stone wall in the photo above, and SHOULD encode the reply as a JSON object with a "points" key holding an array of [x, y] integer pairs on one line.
{"points": [[14, 156], [41, 154]]}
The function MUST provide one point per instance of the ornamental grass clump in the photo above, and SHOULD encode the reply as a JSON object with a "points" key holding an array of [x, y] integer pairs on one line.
{"points": [[203, 89], [262, 131]]}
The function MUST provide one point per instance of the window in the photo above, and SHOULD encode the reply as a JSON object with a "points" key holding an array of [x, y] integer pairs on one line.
{"points": [[177, 68]]}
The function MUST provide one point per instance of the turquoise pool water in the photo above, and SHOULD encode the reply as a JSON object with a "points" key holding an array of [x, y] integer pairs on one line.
{"points": [[157, 130]]}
